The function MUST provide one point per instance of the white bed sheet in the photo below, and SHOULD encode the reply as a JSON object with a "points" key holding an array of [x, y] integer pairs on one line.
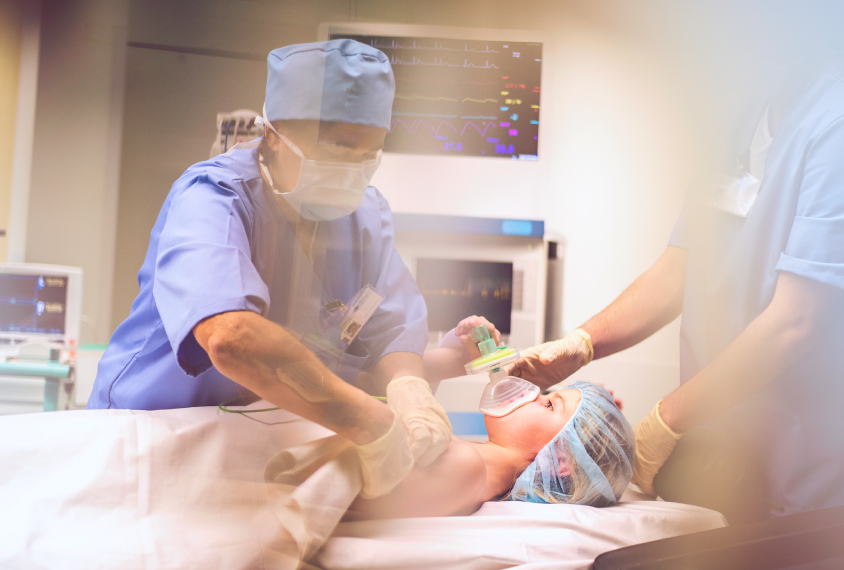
{"points": [[510, 534], [185, 489]]}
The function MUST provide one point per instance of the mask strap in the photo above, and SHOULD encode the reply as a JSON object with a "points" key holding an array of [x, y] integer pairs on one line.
{"points": [[261, 121], [266, 172]]}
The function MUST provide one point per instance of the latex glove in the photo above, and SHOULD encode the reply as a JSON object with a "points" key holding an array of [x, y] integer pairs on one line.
{"points": [[385, 462], [425, 420], [654, 443], [550, 363]]}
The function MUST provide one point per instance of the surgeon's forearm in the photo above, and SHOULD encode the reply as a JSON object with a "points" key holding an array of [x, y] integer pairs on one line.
{"points": [[773, 342], [651, 302], [266, 359]]}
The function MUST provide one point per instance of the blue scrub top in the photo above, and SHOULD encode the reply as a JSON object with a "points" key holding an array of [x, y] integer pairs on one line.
{"points": [[221, 243], [795, 425]]}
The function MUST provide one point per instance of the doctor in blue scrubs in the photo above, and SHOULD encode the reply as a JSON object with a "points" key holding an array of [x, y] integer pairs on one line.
{"points": [[755, 265], [272, 272]]}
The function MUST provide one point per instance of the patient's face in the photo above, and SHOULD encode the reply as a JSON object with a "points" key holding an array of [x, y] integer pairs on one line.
{"points": [[532, 426]]}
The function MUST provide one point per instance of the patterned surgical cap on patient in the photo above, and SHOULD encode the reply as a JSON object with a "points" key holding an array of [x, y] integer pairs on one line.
{"points": [[598, 446], [338, 80]]}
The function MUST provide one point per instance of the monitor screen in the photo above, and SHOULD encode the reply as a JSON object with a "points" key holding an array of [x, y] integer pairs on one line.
{"points": [[33, 303], [454, 290], [462, 97]]}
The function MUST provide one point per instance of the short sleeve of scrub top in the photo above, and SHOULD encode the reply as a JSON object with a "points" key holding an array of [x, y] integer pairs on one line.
{"points": [[204, 264], [816, 243]]}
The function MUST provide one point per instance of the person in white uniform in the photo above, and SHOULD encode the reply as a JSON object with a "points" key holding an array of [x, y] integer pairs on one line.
{"points": [[756, 268]]}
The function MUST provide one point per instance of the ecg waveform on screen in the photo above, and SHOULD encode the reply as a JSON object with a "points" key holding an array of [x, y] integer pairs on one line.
{"points": [[462, 97], [439, 62], [437, 80], [435, 129], [437, 46], [464, 100]]}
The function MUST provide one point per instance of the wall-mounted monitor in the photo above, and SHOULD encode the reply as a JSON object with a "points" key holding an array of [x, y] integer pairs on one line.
{"points": [[462, 96], [468, 133]]}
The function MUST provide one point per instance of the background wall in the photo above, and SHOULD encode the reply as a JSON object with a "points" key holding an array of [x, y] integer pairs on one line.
{"points": [[76, 153], [641, 93], [10, 44]]}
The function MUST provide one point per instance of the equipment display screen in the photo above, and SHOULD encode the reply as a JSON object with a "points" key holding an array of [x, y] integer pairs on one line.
{"points": [[454, 290], [33, 303], [462, 97]]}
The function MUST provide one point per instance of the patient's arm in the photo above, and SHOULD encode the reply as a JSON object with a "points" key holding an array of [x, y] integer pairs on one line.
{"points": [[454, 484], [455, 349], [443, 363]]}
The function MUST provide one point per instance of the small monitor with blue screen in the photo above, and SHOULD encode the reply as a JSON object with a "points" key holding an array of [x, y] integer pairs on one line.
{"points": [[33, 303], [40, 303]]}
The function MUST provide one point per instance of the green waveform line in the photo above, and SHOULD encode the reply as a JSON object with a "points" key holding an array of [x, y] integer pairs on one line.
{"points": [[426, 98]]}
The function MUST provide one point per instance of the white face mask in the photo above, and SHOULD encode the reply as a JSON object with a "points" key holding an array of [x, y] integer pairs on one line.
{"points": [[326, 190]]}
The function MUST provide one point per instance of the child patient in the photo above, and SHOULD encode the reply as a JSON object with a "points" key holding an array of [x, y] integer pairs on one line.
{"points": [[572, 446]]}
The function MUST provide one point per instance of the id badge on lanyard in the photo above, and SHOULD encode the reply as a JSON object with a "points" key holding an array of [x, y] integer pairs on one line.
{"points": [[357, 313], [737, 195]]}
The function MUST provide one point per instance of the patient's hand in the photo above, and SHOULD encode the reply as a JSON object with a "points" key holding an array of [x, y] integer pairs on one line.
{"points": [[463, 333], [455, 349]]}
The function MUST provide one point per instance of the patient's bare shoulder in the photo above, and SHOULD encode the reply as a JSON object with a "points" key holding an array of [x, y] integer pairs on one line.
{"points": [[451, 485]]}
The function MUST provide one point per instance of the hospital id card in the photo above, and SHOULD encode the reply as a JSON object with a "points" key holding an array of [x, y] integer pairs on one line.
{"points": [[361, 309]]}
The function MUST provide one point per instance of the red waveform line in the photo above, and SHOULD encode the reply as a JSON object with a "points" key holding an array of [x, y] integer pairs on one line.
{"points": [[483, 82], [416, 123]]}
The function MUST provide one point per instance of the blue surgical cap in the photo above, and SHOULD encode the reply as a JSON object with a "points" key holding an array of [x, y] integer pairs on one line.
{"points": [[598, 446], [338, 80]]}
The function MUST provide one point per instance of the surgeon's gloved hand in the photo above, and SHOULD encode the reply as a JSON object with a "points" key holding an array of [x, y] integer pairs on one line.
{"points": [[424, 419], [550, 363], [385, 462], [654, 443]]}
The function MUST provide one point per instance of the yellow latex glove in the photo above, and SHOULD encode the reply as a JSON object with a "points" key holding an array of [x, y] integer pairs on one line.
{"points": [[654, 443], [425, 421], [550, 363], [385, 462]]}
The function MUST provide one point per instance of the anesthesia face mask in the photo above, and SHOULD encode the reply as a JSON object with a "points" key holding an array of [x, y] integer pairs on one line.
{"points": [[326, 190], [504, 393]]}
